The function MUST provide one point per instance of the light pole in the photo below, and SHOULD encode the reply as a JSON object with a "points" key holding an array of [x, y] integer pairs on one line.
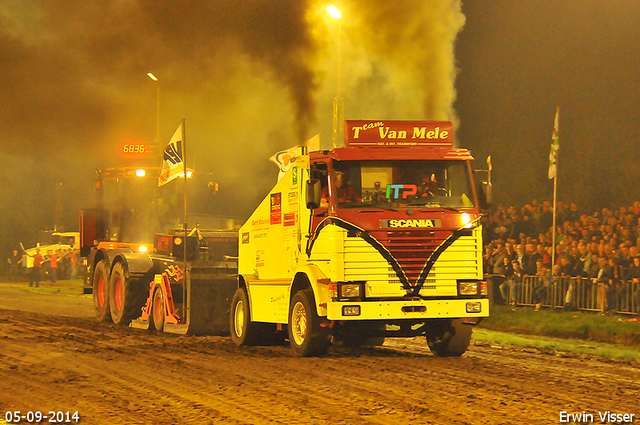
{"points": [[155, 79], [338, 103]]}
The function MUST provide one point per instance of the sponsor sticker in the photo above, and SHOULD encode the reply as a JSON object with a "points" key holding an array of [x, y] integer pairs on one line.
{"points": [[290, 219], [276, 208], [245, 237]]}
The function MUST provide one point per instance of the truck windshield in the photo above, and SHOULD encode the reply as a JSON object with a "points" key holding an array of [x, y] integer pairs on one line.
{"points": [[402, 184]]}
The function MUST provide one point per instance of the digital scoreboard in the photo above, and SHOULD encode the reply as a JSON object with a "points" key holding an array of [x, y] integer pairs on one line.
{"points": [[136, 149]]}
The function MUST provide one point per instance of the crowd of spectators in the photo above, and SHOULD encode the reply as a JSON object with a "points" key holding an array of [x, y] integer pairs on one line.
{"points": [[603, 246], [61, 264]]}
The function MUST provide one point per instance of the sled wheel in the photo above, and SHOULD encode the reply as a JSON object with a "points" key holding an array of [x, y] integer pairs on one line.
{"points": [[157, 310]]}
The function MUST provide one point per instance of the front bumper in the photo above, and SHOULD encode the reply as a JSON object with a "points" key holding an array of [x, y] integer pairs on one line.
{"points": [[409, 309]]}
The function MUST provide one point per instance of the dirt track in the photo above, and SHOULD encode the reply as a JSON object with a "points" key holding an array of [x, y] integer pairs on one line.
{"points": [[115, 375]]}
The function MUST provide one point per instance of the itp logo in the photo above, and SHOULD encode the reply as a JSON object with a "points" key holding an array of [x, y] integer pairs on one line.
{"points": [[394, 190]]}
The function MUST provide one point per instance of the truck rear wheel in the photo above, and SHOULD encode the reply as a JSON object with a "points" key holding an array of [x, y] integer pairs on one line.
{"points": [[243, 330], [126, 296], [157, 310], [306, 336], [101, 291], [246, 332], [449, 338]]}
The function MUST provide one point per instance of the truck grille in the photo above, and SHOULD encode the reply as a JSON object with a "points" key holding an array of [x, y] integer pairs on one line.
{"points": [[412, 249]]}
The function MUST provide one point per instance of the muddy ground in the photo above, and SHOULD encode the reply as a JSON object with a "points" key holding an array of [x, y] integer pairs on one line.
{"points": [[118, 375]]}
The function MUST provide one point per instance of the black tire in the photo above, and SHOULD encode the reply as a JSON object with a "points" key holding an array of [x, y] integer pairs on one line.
{"points": [[101, 291], [126, 296], [449, 338], [244, 332], [357, 334], [157, 319], [306, 336]]}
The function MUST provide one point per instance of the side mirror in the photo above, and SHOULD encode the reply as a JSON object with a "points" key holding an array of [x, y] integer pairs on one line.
{"points": [[484, 189], [486, 195], [314, 192]]}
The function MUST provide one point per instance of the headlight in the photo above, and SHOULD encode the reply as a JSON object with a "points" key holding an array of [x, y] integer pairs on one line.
{"points": [[351, 310], [474, 307], [467, 223], [468, 288], [350, 290], [466, 220]]}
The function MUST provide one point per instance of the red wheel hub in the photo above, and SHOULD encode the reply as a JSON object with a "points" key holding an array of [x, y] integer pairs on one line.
{"points": [[157, 308], [101, 291], [119, 293]]}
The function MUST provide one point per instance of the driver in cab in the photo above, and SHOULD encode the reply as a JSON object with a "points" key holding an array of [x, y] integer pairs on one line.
{"points": [[344, 192]]}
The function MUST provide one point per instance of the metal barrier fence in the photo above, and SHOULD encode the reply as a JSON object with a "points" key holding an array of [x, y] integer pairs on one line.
{"points": [[570, 293]]}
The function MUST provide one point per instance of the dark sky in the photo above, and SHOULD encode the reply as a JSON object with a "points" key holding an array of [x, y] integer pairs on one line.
{"points": [[520, 60], [252, 77]]}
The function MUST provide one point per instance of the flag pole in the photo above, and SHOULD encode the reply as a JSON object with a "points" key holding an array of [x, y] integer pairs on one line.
{"points": [[553, 237], [185, 277], [556, 131]]}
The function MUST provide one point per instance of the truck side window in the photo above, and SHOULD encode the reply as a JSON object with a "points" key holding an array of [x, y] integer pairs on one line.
{"points": [[319, 171]]}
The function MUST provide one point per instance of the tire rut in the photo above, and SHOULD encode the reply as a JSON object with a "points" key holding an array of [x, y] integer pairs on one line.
{"points": [[118, 375]]}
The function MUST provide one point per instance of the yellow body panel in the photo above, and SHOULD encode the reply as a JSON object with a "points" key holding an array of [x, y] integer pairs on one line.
{"points": [[270, 239]]}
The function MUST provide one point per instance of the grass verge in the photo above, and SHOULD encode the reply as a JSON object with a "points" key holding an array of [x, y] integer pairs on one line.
{"points": [[555, 345], [577, 332], [68, 287]]}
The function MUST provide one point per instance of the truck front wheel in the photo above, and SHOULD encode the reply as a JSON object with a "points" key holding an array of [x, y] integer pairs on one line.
{"points": [[306, 336], [101, 292], [126, 296], [449, 338]]}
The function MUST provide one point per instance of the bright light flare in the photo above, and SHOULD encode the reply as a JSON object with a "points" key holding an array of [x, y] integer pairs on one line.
{"points": [[141, 173], [466, 220], [153, 77], [334, 12], [142, 248]]}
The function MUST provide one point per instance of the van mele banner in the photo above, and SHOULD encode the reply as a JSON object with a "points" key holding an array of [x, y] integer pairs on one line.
{"points": [[363, 133]]}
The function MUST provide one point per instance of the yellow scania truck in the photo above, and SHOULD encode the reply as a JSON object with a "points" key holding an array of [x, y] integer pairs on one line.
{"points": [[378, 239]]}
